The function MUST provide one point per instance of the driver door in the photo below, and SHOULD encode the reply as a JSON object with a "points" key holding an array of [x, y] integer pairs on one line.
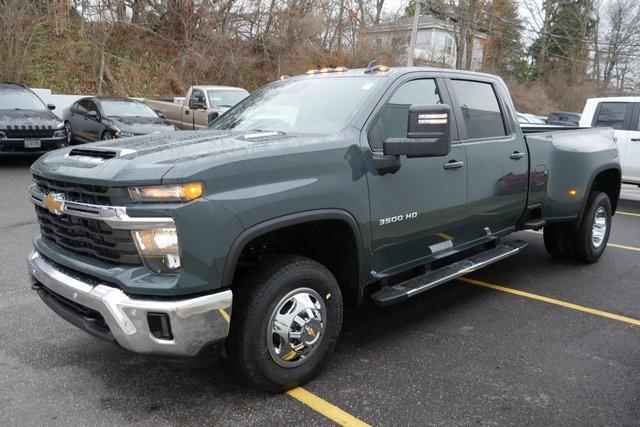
{"points": [[418, 212]]}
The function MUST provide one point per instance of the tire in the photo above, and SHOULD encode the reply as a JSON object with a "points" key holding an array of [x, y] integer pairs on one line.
{"points": [[589, 241], [263, 297], [556, 240], [67, 127], [106, 135]]}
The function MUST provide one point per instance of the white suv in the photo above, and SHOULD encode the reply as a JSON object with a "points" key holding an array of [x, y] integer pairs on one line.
{"points": [[620, 113]]}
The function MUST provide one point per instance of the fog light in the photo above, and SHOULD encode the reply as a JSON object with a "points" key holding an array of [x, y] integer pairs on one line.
{"points": [[160, 326], [158, 248]]}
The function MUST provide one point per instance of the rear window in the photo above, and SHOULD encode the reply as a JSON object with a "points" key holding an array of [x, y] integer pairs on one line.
{"points": [[480, 109], [611, 114]]}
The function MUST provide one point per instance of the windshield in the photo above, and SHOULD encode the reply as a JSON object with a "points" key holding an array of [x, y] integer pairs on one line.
{"points": [[11, 99], [314, 105], [126, 108], [226, 98]]}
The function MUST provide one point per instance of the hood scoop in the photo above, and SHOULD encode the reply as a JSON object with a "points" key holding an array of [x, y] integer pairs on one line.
{"points": [[99, 154]]}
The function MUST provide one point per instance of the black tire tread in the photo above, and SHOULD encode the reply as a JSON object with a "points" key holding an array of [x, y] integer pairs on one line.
{"points": [[246, 303]]}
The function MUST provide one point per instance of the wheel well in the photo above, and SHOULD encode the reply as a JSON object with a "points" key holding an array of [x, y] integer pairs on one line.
{"points": [[608, 182], [331, 242]]}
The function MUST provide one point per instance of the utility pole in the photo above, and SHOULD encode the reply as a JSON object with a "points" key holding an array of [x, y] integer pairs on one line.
{"points": [[414, 35]]}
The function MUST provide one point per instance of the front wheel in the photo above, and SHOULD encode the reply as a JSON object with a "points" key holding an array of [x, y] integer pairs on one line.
{"points": [[285, 324], [67, 128], [108, 135]]}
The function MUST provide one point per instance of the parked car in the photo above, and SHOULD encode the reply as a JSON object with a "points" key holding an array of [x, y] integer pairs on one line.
{"points": [[314, 192], [97, 118], [202, 105], [623, 115], [528, 119], [563, 118], [27, 125]]}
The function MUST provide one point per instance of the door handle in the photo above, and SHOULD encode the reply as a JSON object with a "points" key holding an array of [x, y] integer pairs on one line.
{"points": [[453, 164], [186, 112], [635, 139], [517, 155]]}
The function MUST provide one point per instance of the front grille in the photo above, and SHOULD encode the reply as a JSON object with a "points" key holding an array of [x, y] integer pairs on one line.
{"points": [[89, 237], [29, 131], [84, 193]]}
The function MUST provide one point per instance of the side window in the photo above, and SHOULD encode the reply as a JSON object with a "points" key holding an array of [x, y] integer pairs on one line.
{"points": [[87, 106], [79, 108], [392, 121], [197, 97], [611, 114], [480, 109]]}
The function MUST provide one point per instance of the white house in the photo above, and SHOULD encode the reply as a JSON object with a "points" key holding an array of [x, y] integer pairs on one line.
{"points": [[435, 44]]}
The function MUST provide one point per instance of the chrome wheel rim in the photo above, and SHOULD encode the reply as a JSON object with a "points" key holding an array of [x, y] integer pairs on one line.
{"points": [[599, 228], [296, 327]]}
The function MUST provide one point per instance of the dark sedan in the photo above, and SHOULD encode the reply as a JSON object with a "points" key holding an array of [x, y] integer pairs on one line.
{"points": [[27, 125], [97, 118]]}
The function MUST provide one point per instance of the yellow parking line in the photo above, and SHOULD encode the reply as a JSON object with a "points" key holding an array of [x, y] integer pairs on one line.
{"points": [[613, 245], [629, 248], [551, 301], [325, 408], [224, 315], [628, 213]]}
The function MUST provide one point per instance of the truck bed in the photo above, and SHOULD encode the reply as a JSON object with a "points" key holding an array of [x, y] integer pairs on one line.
{"points": [[560, 155]]}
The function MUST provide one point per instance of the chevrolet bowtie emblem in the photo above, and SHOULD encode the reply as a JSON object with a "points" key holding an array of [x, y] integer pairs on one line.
{"points": [[54, 202]]}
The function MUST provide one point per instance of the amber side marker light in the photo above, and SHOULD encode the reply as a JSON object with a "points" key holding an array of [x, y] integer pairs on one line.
{"points": [[192, 191], [573, 192]]}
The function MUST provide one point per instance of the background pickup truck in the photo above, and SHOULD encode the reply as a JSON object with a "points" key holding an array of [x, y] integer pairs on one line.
{"points": [[201, 105], [315, 192], [623, 115]]}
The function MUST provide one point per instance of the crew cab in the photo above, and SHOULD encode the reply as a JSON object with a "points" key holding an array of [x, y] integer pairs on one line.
{"points": [[202, 105], [316, 192], [623, 115], [28, 125]]}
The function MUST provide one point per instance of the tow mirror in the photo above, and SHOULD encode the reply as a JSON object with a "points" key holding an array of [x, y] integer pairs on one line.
{"points": [[51, 106], [212, 116], [159, 113], [428, 133]]}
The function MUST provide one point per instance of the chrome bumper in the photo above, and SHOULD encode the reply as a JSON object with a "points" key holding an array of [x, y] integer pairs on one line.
{"points": [[195, 322]]}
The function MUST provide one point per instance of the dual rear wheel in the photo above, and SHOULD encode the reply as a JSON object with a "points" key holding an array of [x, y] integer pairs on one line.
{"points": [[587, 242]]}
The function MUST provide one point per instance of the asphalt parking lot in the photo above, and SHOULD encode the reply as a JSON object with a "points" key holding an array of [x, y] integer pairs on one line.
{"points": [[529, 340]]}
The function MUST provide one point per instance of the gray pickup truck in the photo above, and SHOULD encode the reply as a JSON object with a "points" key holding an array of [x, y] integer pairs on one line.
{"points": [[202, 105], [316, 192]]}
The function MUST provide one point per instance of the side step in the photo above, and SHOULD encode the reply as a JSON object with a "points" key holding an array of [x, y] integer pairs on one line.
{"points": [[433, 278]]}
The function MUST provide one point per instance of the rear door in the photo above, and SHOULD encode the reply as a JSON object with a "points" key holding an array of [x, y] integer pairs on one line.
{"points": [[419, 211], [631, 167], [92, 126], [76, 120], [195, 116], [619, 116], [496, 153]]}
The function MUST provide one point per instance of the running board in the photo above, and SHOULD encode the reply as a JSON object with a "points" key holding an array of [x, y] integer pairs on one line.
{"points": [[433, 278]]}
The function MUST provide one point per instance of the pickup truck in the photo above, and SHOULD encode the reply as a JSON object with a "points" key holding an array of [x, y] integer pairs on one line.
{"points": [[623, 115], [316, 192], [202, 105]]}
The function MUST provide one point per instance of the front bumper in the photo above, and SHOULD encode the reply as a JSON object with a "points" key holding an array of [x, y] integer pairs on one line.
{"points": [[15, 146], [109, 313]]}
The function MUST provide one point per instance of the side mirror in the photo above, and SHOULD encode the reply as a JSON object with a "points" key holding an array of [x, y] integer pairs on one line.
{"points": [[212, 116], [51, 106], [93, 114], [428, 133], [159, 113]]}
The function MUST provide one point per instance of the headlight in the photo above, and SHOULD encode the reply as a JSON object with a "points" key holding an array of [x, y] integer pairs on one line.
{"points": [[167, 193], [124, 134], [158, 248], [60, 134]]}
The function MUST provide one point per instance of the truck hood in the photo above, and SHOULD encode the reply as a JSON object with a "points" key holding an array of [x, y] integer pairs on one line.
{"points": [[34, 118], [148, 159]]}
